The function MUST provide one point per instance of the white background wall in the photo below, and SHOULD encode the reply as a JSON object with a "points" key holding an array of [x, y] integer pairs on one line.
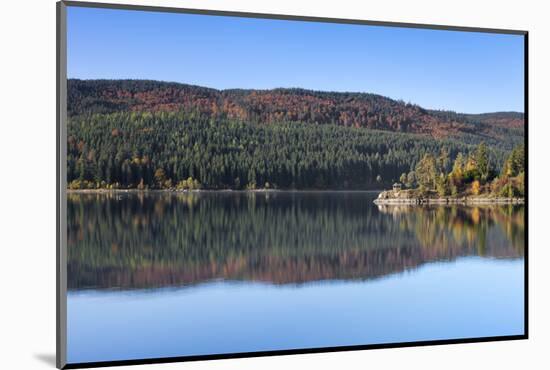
{"points": [[27, 182]]}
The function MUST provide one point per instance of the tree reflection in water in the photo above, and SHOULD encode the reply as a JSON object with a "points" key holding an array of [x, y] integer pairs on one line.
{"points": [[147, 240]]}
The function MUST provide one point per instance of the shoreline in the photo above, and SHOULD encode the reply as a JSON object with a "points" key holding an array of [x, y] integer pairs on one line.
{"points": [[442, 201], [174, 191], [378, 201], [412, 197]]}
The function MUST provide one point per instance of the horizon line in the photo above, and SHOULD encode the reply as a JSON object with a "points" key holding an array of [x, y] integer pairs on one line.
{"points": [[296, 88]]}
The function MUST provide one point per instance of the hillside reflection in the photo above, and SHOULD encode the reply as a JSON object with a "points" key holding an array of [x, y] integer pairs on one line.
{"points": [[152, 240]]}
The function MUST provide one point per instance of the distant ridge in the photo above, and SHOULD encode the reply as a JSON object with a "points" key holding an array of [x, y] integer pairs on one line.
{"points": [[364, 110]]}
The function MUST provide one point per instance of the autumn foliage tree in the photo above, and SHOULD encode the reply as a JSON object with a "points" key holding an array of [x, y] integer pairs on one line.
{"points": [[472, 174]]}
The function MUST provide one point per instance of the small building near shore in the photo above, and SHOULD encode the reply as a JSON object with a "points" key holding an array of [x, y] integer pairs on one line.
{"points": [[397, 186]]}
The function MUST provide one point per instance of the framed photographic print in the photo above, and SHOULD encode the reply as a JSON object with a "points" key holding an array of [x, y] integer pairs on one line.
{"points": [[234, 184]]}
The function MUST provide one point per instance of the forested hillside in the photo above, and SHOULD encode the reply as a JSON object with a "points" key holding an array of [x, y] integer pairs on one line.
{"points": [[289, 105], [148, 134]]}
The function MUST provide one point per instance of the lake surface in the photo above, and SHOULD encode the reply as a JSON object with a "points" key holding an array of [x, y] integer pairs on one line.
{"points": [[154, 275]]}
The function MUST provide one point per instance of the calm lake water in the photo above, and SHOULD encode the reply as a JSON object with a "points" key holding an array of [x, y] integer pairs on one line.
{"points": [[157, 275]]}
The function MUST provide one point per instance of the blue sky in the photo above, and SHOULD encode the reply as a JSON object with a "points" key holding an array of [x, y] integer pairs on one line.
{"points": [[461, 71]]}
